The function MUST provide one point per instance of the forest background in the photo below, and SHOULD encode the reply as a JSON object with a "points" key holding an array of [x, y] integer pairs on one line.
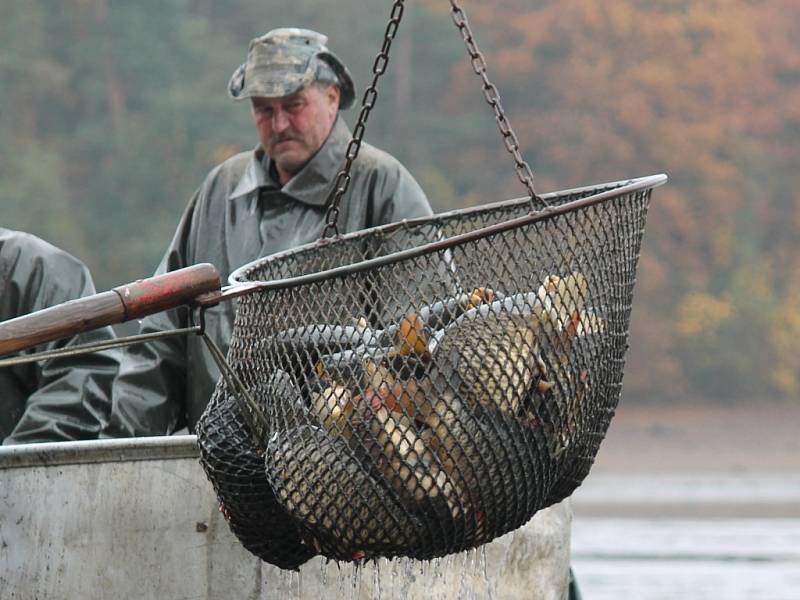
{"points": [[112, 112]]}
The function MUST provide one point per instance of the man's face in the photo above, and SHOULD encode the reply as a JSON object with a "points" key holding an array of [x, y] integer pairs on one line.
{"points": [[292, 128]]}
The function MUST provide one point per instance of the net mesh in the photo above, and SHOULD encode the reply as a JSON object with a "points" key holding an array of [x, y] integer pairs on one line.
{"points": [[427, 405]]}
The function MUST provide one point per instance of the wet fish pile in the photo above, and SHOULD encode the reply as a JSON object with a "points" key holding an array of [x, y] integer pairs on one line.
{"points": [[431, 435]]}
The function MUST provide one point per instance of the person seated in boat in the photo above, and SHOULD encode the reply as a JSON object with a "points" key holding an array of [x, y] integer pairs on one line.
{"points": [[64, 398]]}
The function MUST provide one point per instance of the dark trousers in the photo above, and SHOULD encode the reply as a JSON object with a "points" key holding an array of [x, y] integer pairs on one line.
{"points": [[574, 592]]}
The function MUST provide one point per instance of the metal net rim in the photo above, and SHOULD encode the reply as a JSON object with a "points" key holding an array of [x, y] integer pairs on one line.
{"points": [[615, 189], [501, 457]]}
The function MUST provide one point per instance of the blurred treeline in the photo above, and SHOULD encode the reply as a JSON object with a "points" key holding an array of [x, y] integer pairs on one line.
{"points": [[111, 113]]}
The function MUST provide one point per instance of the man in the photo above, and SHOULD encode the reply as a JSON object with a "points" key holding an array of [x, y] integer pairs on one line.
{"points": [[255, 204], [54, 400]]}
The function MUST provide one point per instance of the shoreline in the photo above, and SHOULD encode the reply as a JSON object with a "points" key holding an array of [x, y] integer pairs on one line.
{"points": [[696, 462], [701, 438]]}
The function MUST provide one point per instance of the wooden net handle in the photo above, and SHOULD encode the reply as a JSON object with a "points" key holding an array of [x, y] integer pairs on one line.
{"points": [[131, 301]]}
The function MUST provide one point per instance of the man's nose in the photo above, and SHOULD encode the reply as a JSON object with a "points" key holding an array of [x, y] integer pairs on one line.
{"points": [[280, 121]]}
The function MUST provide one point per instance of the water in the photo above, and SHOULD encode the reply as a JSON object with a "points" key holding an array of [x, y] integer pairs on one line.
{"points": [[686, 580], [695, 488], [673, 543]]}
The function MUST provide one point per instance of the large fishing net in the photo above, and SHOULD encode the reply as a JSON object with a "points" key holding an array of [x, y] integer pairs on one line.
{"points": [[420, 388], [424, 387]]}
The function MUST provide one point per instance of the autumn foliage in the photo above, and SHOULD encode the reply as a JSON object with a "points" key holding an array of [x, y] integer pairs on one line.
{"points": [[120, 109], [708, 92]]}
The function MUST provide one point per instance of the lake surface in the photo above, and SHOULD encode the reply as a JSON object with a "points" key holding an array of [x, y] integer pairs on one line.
{"points": [[662, 537]]}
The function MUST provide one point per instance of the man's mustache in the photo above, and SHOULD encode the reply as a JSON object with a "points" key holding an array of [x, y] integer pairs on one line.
{"points": [[285, 137]]}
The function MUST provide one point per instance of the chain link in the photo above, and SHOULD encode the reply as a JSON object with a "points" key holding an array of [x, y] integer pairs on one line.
{"points": [[492, 96], [367, 103], [379, 66]]}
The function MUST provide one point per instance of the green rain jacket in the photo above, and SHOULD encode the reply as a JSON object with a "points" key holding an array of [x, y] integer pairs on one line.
{"points": [[240, 213], [59, 399]]}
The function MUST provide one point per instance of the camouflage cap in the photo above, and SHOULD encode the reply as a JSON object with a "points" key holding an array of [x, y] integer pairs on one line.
{"points": [[286, 60]]}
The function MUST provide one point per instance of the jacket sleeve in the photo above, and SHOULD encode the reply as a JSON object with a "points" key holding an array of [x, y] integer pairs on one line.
{"points": [[68, 397], [149, 393]]}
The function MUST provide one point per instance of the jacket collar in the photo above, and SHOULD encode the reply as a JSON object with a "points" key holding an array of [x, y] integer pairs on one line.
{"points": [[312, 184]]}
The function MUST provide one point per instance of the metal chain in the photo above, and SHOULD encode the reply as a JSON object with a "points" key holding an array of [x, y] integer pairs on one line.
{"points": [[510, 140], [368, 101]]}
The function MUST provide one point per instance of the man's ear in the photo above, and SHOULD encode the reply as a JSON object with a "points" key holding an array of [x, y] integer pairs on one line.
{"points": [[333, 94]]}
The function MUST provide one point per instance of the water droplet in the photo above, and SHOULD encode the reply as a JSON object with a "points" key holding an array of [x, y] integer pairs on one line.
{"points": [[356, 579], [342, 578], [324, 563], [285, 583], [408, 570], [376, 580], [463, 580], [392, 578], [490, 582]]}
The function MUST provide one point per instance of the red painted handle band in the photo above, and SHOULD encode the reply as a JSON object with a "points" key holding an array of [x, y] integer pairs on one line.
{"points": [[170, 290]]}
